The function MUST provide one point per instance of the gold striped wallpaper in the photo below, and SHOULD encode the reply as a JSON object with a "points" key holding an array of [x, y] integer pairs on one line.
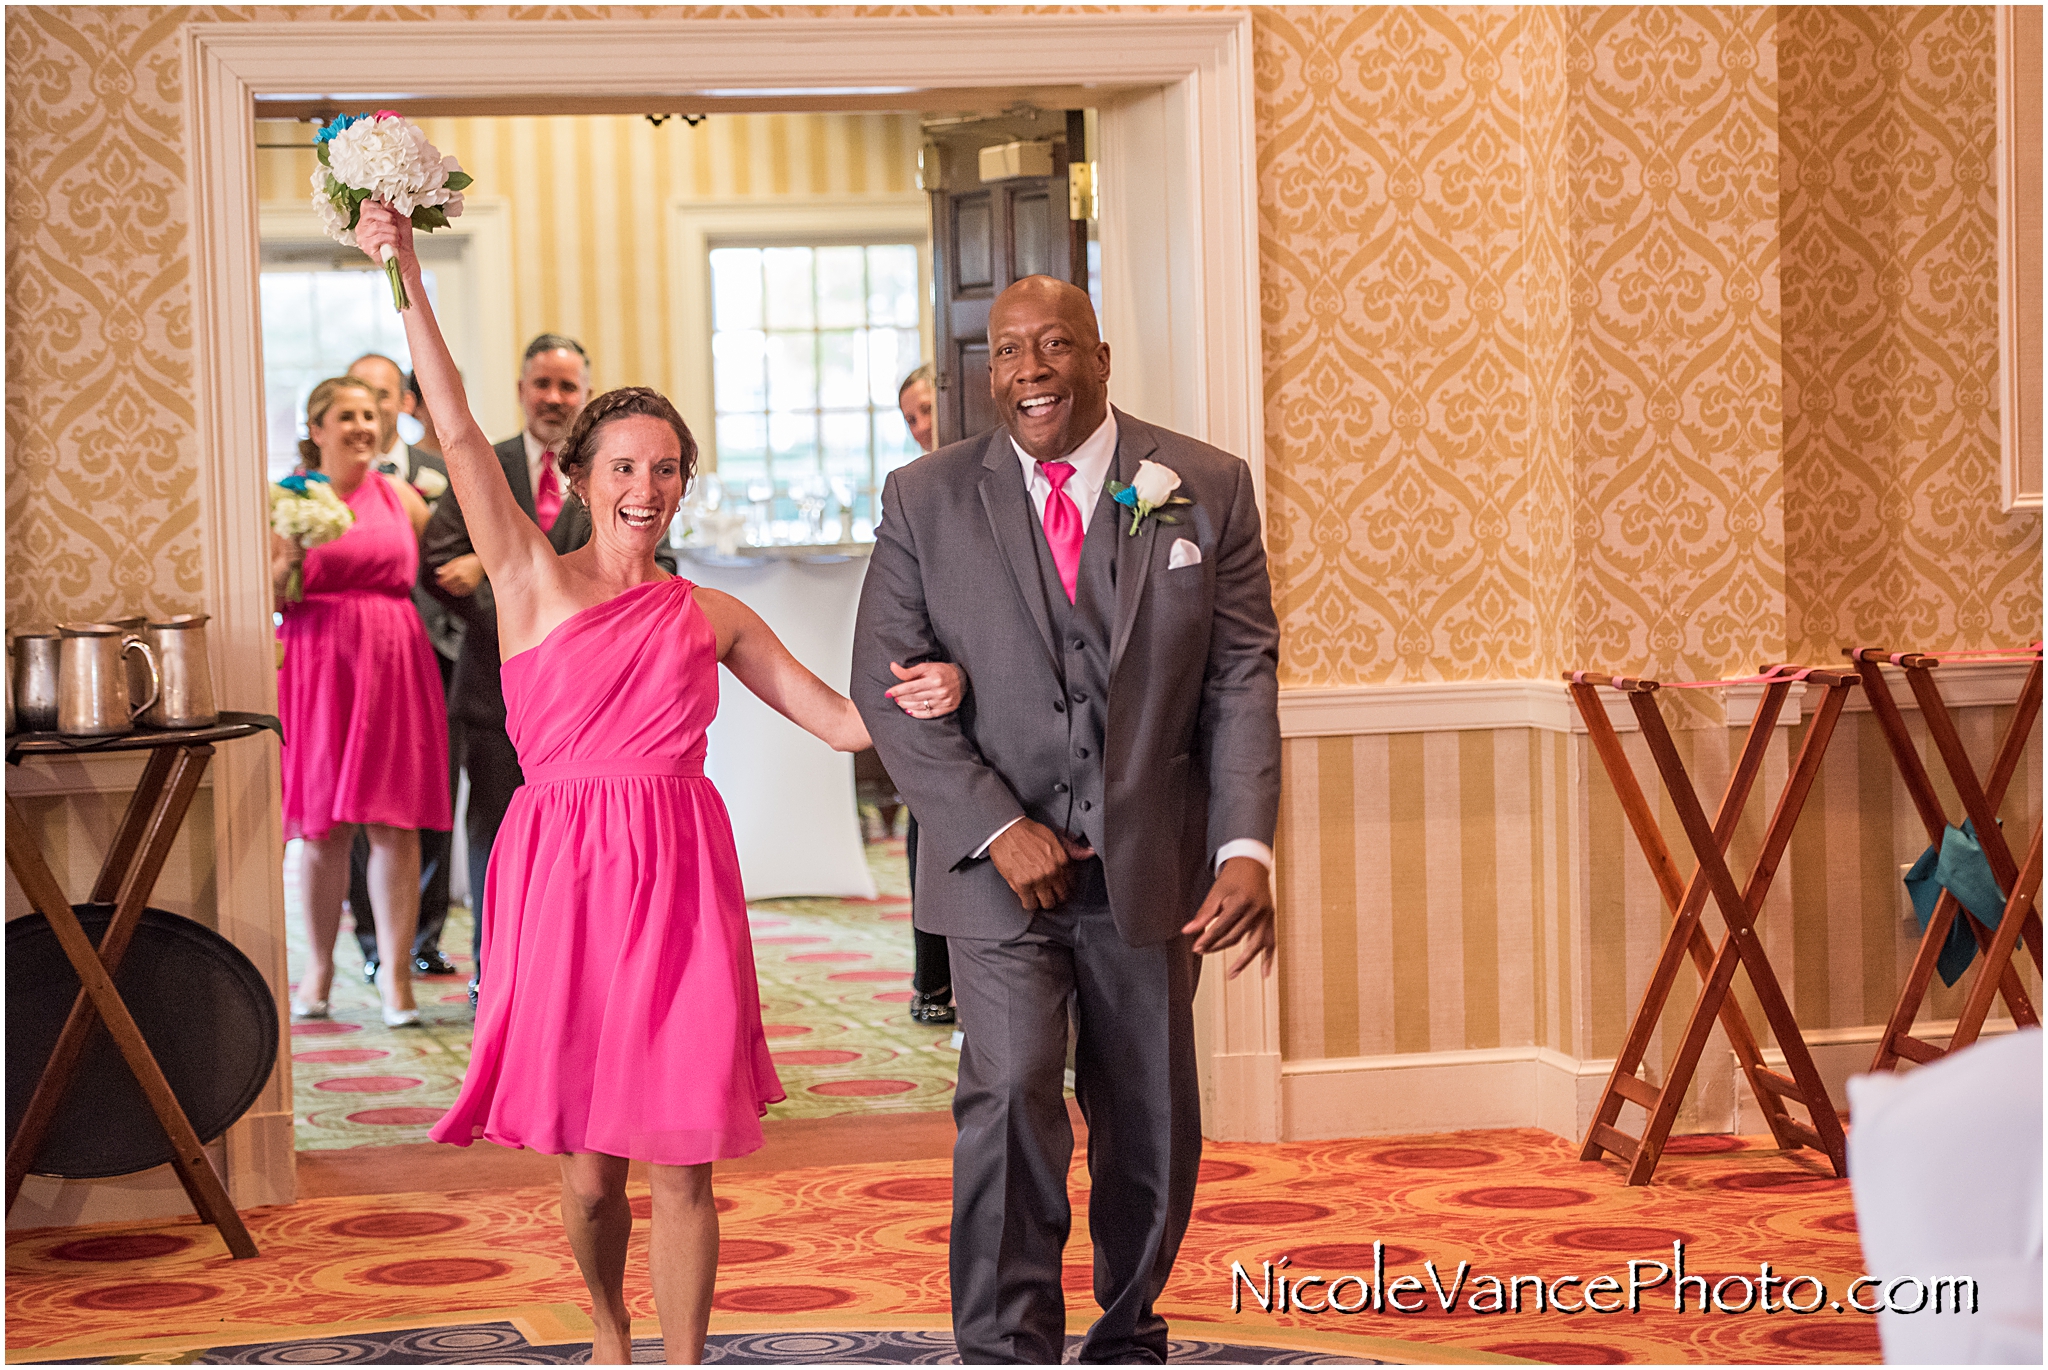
{"points": [[1455, 891], [589, 196]]}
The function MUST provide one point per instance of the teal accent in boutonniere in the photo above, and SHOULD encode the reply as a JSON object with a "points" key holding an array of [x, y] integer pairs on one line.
{"points": [[1157, 484]]}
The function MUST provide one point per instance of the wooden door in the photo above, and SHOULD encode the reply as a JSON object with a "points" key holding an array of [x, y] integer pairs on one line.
{"points": [[986, 234]]}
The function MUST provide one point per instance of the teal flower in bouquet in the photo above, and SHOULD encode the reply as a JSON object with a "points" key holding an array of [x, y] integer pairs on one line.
{"points": [[383, 156]]}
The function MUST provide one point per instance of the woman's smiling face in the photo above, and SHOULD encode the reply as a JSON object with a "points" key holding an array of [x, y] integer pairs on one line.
{"points": [[634, 483], [347, 434]]}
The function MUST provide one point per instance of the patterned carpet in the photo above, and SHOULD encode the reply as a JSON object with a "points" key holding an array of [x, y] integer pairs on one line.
{"points": [[835, 979], [834, 1251]]}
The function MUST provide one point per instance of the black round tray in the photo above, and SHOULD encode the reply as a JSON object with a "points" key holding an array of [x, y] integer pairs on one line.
{"points": [[202, 1007]]}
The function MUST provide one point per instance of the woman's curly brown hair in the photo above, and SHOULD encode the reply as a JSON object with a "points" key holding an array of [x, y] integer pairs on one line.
{"points": [[577, 451]]}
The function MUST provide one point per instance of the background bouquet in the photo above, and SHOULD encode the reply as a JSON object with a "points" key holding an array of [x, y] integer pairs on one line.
{"points": [[305, 511], [383, 156]]}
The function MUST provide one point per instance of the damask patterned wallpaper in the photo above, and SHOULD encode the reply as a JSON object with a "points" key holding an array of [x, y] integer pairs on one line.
{"points": [[1676, 460], [1893, 533], [101, 513], [1522, 334]]}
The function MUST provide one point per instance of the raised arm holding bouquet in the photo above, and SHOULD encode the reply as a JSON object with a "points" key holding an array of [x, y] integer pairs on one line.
{"points": [[620, 1017]]}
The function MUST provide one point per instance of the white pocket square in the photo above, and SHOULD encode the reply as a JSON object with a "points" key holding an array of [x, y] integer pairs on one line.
{"points": [[1184, 553]]}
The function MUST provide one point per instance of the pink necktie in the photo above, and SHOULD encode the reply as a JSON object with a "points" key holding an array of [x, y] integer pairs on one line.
{"points": [[1063, 532], [547, 501]]}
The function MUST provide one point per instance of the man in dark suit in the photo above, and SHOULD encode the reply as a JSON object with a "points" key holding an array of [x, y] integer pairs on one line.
{"points": [[1097, 815], [428, 474], [554, 385]]}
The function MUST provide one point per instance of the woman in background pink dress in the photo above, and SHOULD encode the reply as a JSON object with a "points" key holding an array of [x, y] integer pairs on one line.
{"points": [[365, 725], [619, 1017]]}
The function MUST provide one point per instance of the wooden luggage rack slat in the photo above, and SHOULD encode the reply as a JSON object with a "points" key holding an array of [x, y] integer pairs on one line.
{"points": [[1994, 974], [1687, 937]]}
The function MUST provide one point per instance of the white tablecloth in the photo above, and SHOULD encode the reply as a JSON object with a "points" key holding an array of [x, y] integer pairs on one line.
{"points": [[791, 796]]}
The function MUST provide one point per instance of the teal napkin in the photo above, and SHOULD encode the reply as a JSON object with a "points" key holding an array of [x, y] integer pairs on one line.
{"points": [[1957, 865]]}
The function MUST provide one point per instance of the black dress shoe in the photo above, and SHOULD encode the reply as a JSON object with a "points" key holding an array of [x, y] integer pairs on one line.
{"points": [[936, 1009], [370, 964], [432, 962]]}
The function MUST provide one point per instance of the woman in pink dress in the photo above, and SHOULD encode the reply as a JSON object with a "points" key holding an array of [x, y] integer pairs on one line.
{"points": [[620, 1018], [365, 725]]}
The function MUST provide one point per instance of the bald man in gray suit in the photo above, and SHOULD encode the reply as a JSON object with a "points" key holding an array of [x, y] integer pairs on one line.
{"points": [[1097, 814]]}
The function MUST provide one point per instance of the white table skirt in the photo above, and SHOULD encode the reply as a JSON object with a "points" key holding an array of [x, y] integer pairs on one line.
{"points": [[791, 797]]}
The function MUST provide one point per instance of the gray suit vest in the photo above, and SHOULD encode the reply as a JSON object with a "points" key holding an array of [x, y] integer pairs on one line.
{"points": [[1083, 630]]}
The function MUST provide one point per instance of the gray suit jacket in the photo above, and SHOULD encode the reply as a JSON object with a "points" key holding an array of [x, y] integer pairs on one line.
{"points": [[444, 627], [1192, 753]]}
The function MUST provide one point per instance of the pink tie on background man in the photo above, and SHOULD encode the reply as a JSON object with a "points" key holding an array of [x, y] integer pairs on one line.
{"points": [[1063, 532], [547, 501]]}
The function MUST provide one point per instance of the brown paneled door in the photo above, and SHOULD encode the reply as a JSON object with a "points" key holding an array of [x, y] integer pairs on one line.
{"points": [[986, 234]]}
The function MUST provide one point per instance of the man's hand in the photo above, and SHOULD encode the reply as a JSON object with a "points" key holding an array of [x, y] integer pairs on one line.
{"points": [[1034, 860], [1239, 909], [461, 575]]}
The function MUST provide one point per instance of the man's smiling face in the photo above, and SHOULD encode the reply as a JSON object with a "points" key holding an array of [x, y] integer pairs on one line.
{"points": [[1048, 368]]}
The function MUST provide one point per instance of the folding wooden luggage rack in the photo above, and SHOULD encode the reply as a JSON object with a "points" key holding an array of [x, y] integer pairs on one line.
{"points": [[1994, 973], [1739, 909]]}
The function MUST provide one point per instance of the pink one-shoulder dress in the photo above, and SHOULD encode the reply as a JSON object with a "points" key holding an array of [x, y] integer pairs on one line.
{"points": [[619, 1011], [359, 695]]}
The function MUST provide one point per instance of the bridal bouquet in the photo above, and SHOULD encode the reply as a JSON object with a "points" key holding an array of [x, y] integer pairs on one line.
{"points": [[305, 511], [383, 156]]}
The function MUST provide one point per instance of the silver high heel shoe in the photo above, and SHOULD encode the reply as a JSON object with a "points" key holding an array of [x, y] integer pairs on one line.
{"points": [[395, 1017]]}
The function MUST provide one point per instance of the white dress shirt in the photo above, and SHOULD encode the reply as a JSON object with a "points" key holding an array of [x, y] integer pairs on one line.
{"points": [[1091, 462], [400, 456]]}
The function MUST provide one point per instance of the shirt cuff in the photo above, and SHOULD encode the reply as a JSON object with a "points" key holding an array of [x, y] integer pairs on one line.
{"points": [[1243, 846], [982, 850]]}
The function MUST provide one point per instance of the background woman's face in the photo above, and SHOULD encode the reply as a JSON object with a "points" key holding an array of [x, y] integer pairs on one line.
{"points": [[348, 433], [916, 404]]}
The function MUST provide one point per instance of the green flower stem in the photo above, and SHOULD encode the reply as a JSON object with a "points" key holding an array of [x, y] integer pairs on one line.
{"points": [[399, 301]]}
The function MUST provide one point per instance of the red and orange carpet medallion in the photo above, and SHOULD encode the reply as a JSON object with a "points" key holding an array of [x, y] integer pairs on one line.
{"points": [[840, 1249]]}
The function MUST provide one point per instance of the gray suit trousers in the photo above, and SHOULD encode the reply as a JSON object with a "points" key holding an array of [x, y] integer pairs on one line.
{"points": [[1134, 1077]]}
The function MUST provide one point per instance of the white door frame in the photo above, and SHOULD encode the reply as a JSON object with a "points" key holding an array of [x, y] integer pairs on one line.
{"points": [[1180, 264]]}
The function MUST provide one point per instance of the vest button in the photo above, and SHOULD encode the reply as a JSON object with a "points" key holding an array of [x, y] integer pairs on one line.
{"points": [[1080, 698], [1081, 752], [1086, 805], [1080, 645], [1058, 707], [1059, 787]]}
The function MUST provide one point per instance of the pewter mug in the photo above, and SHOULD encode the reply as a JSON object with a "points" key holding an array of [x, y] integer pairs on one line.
{"points": [[35, 681], [138, 673], [185, 697], [92, 680]]}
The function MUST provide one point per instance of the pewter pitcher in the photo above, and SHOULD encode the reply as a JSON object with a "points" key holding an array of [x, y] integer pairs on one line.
{"points": [[92, 680], [138, 670], [185, 696], [35, 681]]}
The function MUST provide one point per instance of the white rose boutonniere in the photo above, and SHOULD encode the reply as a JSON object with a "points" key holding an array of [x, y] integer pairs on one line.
{"points": [[1151, 489], [430, 483]]}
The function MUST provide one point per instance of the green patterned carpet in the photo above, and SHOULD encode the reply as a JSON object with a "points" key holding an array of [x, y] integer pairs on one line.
{"points": [[835, 989]]}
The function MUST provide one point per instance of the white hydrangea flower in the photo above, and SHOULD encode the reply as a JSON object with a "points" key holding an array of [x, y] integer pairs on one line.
{"points": [[392, 159], [333, 222]]}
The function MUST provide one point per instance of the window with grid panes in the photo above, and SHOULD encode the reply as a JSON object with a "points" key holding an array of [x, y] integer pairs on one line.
{"points": [[808, 347], [315, 322]]}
